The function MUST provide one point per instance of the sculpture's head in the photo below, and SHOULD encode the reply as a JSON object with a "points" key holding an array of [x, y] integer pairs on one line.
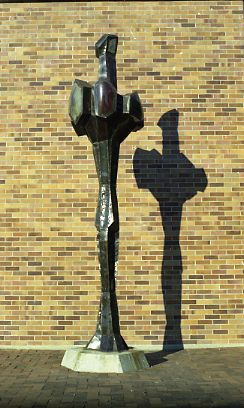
{"points": [[106, 45]]}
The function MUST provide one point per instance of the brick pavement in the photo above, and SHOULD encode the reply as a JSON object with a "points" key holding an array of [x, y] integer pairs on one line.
{"points": [[188, 378]]}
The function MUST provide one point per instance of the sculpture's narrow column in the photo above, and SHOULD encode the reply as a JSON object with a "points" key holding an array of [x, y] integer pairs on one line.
{"points": [[106, 118], [107, 336]]}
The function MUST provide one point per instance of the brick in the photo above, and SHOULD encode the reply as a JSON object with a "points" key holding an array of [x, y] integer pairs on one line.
{"points": [[185, 58]]}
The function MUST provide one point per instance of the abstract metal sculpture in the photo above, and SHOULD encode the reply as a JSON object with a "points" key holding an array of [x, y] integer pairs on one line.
{"points": [[107, 118]]}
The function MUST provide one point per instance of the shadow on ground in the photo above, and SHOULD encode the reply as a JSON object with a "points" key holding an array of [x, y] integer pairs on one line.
{"points": [[156, 357]]}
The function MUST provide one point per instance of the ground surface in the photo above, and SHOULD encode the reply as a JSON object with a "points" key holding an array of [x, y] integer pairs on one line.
{"points": [[188, 378]]}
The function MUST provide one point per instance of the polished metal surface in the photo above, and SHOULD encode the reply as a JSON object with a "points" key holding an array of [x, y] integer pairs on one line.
{"points": [[107, 118]]}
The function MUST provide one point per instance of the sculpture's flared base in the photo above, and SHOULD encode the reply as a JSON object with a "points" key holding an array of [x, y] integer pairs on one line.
{"points": [[91, 361], [109, 343]]}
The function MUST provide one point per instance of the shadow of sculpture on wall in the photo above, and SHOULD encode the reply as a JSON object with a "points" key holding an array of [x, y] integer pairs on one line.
{"points": [[172, 179]]}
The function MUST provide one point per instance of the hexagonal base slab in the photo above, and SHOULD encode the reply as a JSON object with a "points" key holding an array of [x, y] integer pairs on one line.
{"points": [[91, 361]]}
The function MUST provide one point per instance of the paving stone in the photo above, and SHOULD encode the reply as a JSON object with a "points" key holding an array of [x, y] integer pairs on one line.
{"points": [[206, 378]]}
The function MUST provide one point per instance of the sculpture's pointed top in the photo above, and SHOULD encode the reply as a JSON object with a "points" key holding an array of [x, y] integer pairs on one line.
{"points": [[107, 44]]}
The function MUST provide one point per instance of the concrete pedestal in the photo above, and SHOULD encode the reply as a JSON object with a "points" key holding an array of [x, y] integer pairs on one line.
{"points": [[92, 361]]}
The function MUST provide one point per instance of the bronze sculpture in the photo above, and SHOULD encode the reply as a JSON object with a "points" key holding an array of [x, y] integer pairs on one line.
{"points": [[107, 118]]}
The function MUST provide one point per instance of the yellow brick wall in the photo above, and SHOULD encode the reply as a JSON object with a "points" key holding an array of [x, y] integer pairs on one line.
{"points": [[178, 55]]}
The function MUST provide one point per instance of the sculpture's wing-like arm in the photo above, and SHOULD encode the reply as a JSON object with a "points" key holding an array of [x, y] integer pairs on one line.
{"points": [[132, 106], [80, 105]]}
